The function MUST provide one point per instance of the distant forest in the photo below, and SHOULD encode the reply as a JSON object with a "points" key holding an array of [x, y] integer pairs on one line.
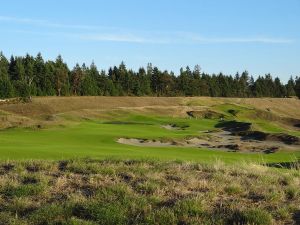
{"points": [[33, 76]]}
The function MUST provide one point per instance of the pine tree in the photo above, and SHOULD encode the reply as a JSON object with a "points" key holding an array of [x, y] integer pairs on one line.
{"points": [[20, 69], [144, 82], [290, 87], [96, 79], [297, 87], [88, 86], [39, 74], [21, 74], [50, 70], [76, 79], [155, 81], [29, 64], [61, 77], [6, 89], [4, 65]]}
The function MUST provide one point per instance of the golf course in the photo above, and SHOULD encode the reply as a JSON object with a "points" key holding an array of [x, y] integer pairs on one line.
{"points": [[60, 129], [149, 112], [149, 160]]}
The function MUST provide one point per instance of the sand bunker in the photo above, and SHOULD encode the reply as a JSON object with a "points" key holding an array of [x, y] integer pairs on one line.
{"points": [[145, 142], [234, 136], [175, 127], [170, 127], [218, 140]]}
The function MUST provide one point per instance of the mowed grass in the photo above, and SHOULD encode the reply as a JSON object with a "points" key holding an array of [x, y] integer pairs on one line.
{"points": [[97, 139]]}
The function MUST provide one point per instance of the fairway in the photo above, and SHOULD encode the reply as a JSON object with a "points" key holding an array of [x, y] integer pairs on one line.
{"points": [[81, 134]]}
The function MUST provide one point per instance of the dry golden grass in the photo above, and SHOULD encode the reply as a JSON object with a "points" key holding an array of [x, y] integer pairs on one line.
{"points": [[13, 120], [146, 192], [46, 111], [53, 105]]}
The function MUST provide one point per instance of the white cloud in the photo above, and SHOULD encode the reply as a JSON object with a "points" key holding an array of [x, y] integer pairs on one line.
{"points": [[114, 37], [245, 40], [45, 23], [113, 34], [207, 40], [122, 37]]}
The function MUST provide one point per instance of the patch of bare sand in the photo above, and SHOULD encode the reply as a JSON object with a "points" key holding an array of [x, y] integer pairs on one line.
{"points": [[145, 142], [221, 140], [170, 127]]}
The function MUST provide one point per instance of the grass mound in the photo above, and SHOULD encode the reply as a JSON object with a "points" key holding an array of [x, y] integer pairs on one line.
{"points": [[146, 192]]}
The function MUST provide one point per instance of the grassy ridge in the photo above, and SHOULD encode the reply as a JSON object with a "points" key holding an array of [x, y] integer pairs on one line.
{"points": [[146, 192]]}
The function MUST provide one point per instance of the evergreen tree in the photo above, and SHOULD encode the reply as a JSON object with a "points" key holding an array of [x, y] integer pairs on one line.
{"points": [[279, 89], [251, 87], [155, 78], [50, 76], [61, 77], [12, 69], [29, 64], [88, 86], [290, 87], [184, 84], [21, 74], [19, 70], [204, 85], [39, 76], [144, 82], [4, 65], [76, 79], [243, 85], [96, 79], [22, 89], [6, 88], [297, 87]]}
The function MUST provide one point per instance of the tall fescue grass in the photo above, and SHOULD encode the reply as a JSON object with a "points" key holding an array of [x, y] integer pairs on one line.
{"points": [[146, 192]]}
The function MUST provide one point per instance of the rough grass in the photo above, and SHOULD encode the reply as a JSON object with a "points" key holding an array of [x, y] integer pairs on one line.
{"points": [[146, 192], [53, 105]]}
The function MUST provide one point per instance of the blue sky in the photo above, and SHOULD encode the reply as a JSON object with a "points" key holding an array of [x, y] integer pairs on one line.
{"points": [[226, 36]]}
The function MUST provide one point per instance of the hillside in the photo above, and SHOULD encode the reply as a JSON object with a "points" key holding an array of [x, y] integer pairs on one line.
{"points": [[53, 105]]}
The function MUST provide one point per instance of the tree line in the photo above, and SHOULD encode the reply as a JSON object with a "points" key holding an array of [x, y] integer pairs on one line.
{"points": [[33, 76]]}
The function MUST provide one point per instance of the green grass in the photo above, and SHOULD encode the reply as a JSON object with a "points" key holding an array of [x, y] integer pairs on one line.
{"points": [[97, 139]]}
